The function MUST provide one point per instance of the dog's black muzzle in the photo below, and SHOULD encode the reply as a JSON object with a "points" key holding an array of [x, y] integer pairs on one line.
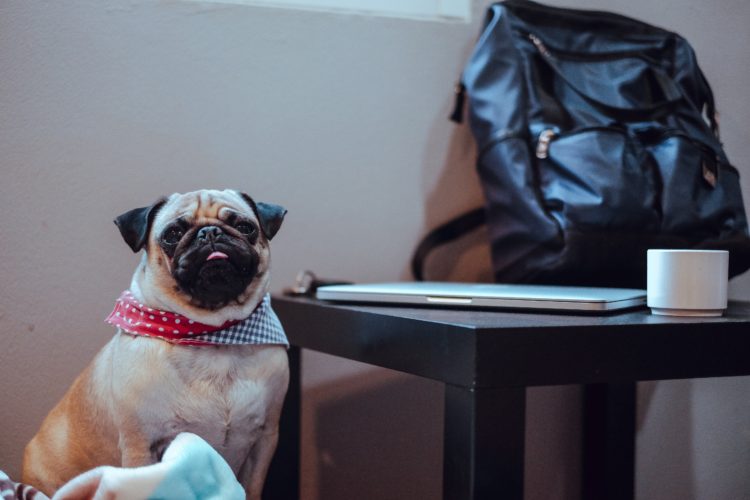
{"points": [[216, 267]]}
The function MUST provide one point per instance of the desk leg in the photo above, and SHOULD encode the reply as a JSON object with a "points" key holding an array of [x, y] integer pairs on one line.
{"points": [[484, 443], [609, 441], [282, 481]]}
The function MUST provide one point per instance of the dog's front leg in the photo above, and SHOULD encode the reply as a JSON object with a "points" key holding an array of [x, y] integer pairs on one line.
{"points": [[137, 450], [253, 472]]}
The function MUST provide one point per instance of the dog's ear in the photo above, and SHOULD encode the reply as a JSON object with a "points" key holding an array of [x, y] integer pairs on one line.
{"points": [[134, 225], [270, 216]]}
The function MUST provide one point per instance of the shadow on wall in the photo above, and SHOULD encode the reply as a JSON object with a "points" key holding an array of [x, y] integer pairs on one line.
{"points": [[664, 436], [377, 436], [455, 191]]}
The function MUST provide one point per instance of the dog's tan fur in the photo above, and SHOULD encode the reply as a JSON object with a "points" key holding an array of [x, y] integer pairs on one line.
{"points": [[138, 393]]}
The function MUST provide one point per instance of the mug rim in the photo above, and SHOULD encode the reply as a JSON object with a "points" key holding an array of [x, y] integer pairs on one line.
{"points": [[686, 250]]}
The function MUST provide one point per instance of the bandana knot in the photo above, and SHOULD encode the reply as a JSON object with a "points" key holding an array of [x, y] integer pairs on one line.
{"points": [[134, 318]]}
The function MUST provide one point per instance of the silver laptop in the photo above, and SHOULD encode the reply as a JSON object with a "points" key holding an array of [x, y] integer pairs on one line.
{"points": [[558, 298]]}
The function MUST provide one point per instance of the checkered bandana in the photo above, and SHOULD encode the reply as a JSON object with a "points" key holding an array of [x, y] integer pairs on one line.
{"points": [[262, 327]]}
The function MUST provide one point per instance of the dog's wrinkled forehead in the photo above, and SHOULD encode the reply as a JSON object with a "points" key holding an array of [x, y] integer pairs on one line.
{"points": [[203, 207]]}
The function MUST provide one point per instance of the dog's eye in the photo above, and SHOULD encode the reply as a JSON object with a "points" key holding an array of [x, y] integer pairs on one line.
{"points": [[245, 228], [172, 235]]}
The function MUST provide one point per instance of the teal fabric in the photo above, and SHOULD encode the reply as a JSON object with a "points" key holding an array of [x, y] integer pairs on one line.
{"points": [[196, 472]]}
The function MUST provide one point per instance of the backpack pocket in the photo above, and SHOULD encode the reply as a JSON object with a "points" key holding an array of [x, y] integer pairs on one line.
{"points": [[652, 180], [701, 195], [597, 179]]}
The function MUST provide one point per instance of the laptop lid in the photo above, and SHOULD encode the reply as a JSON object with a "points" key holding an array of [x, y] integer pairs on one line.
{"points": [[482, 295]]}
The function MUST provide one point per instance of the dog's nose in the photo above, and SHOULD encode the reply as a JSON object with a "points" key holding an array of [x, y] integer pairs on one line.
{"points": [[209, 233]]}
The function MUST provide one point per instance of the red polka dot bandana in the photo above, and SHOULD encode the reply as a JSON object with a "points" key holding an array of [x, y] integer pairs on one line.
{"points": [[135, 318]]}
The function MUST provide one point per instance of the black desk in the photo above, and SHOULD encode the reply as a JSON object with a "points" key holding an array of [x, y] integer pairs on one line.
{"points": [[487, 359]]}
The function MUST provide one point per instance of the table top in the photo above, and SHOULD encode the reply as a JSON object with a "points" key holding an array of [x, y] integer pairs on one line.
{"points": [[480, 348]]}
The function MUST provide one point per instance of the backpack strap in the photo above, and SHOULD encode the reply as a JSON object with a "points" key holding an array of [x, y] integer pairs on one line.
{"points": [[445, 233]]}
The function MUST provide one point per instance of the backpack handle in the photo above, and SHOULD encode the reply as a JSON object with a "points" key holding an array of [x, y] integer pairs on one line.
{"points": [[445, 233]]}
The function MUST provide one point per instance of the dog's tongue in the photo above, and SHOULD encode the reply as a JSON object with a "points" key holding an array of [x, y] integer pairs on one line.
{"points": [[217, 255]]}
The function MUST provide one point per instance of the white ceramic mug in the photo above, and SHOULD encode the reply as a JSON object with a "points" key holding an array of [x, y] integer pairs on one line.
{"points": [[687, 282]]}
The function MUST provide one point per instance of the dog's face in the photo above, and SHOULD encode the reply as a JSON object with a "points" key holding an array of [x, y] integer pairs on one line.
{"points": [[207, 254]]}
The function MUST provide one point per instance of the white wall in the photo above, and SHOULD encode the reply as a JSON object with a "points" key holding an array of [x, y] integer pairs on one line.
{"points": [[104, 106]]}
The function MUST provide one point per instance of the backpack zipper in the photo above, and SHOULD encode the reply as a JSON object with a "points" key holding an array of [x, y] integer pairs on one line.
{"points": [[546, 136], [539, 44], [543, 143], [710, 165], [588, 57]]}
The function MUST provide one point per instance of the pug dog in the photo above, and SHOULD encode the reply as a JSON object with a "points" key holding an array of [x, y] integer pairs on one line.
{"points": [[197, 348]]}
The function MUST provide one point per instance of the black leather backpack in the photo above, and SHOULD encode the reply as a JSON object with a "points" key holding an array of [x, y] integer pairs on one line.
{"points": [[597, 140]]}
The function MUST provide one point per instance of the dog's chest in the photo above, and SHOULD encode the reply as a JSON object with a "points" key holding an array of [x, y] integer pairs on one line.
{"points": [[221, 394], [221, 389], [223, 402], [230, 418]]}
